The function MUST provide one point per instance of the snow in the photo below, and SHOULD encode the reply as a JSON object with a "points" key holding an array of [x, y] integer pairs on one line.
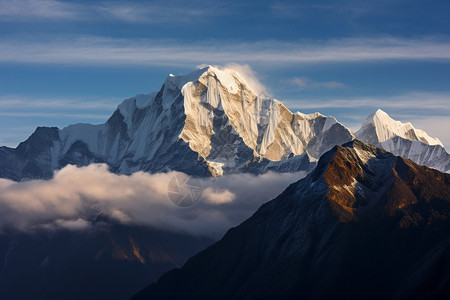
{"points": [[87, 133], [128, 107], [330, 121], [404, 140], [217, 167], [387, 128], [365, 156], [226, 79]]}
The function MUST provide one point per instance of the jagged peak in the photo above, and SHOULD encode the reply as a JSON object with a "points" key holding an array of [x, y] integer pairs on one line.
{"points": [[230, 78], [387, 128], [363, 150], [129, 105], [309, 116]]}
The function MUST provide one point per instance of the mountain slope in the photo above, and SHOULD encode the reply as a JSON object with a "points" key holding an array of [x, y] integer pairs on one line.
{"points": [[206, 123], [403, 139], [364, 224], [109, 261]]}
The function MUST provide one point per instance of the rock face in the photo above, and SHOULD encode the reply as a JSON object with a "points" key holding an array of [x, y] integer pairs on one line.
{"points": [[404, 140], [108, 262], [207, 123], [364, 224]]}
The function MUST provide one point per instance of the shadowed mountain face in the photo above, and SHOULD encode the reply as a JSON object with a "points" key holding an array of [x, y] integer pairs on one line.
{"points": [[106, 262], [364, 224]]}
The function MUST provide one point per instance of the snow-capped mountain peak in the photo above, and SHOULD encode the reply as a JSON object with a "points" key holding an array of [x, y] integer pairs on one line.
{"points": [[380, 127], [404, 140], [224, 116]]}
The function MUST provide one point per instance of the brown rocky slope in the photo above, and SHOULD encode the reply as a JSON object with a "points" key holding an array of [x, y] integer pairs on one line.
{"points": [[365, 224]]}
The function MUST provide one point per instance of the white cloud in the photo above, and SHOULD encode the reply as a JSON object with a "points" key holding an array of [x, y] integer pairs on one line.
{"points": [[218, 196], [168, 11], [423, 101], [54, 115], [304, 83], [245, 73], [43, 9], [108, 51], [14, 101], [76, 196]]}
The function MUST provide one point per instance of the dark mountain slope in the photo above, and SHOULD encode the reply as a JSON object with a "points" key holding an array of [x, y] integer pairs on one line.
{"points": [[108, 261], [364, 224]]}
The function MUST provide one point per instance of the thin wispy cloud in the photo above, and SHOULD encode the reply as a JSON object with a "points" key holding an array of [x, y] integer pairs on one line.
{"points": [[27, 10], [13, 102], [54, 115], [437, 102], [350, 11], [109, 51], [173, 11], [306, 83]]}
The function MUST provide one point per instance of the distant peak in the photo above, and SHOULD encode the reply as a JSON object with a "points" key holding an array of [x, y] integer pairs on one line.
{"points": [[379, 114], [387, 128]]}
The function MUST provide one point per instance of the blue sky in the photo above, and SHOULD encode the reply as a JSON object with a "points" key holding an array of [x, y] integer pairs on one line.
{"points": [[64, 62]]}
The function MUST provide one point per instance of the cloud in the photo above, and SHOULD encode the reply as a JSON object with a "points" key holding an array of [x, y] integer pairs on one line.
{"points": [[14, 101], [438, 102], [109, 51], [304, 83], [245, 73], [41, 9], [54, 115], [75, 196], [172, 11], [218, 196], [351, 9]]}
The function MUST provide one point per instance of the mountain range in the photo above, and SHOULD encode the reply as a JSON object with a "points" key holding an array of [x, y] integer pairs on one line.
{"points": [[209, 123], [364, 224], [107, 261], [358, 204]]}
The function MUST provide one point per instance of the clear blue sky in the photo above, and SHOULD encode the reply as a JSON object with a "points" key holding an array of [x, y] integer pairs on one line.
{"points": [[64, 62]]}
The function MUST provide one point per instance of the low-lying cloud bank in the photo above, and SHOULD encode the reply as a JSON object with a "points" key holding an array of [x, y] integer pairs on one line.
{"points": [[75, 196]]}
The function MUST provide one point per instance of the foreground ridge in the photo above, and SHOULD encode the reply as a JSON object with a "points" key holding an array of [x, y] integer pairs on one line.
{"points": [[363, 224]]}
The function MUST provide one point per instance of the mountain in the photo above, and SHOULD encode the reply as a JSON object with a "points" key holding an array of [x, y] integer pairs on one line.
{"points": [[403, 139], [364, 224], [207, 123], [109, 261]]}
